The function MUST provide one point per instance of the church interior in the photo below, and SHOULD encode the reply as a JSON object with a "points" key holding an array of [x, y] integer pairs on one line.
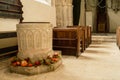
{"points": [[59, 39]]}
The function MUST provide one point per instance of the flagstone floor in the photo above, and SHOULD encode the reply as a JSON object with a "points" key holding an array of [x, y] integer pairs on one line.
{"points": [[100, 61]]}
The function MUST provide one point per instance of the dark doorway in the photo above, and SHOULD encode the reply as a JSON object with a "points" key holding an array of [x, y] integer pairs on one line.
{"points": [[102, 17], [76, 11]]}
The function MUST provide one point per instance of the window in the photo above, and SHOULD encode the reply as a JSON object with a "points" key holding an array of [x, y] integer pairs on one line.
{"points": [[47, 2]]}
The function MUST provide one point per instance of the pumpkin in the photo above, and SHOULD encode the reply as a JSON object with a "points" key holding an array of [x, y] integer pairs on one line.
{"points": [[24, 63]]}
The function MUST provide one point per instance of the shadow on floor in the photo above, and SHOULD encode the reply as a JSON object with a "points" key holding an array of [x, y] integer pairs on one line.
{"points": [[99, 46], [86, 58], [91, 51], [96, 52]]}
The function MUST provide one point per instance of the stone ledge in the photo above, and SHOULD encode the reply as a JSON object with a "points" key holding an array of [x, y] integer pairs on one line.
{"points": [[36, 70]]}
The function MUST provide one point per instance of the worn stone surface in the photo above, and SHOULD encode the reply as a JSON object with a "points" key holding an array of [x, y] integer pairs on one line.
{"points": [[34, 43], [35, 70], [34, 40]]}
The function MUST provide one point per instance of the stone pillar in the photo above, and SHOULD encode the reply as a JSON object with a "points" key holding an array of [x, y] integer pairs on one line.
{"points": [[34, 39], [64, 13], [59, 14], [70, 13], [53, 2]]}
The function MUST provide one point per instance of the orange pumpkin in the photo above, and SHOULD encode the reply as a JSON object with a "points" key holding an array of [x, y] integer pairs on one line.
{"points": [[24, 63]]}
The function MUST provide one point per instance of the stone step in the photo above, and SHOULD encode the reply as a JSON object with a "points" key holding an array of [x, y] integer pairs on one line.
{"points": [[101, 41], [103, 38]]}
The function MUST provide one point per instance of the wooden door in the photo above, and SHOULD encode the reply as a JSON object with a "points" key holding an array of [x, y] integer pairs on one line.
{"points": [[102, 18]]}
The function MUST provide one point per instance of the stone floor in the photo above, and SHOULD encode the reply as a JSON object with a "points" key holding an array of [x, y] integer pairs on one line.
{"points": [[101, 61]]}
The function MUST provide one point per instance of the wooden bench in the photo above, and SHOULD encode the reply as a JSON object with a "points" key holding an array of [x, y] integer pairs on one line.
{"points": [[67, 40], [89, 35], [81, 35], [85, 35], [118, 37]]}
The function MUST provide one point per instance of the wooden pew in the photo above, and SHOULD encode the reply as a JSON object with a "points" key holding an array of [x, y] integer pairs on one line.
{"points": [[67, 40], [118, 37], [89, 35], [81, 35], [88, 38], [85, 35]]}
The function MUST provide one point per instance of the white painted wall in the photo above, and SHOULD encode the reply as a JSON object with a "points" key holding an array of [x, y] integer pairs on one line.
{"points": [[114, 20], [8, 24], [34, 11], [89, 19]]}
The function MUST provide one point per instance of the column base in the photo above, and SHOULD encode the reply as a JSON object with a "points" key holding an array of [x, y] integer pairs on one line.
{"points": [[35, 70], [49, 64]]}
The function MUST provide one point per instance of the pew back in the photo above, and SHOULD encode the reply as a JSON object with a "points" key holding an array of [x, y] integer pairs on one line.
{"points": [[118, 36], [67, 40]]}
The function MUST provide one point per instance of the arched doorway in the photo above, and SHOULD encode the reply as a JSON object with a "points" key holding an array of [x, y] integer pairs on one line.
{"points": [[102, 17], [76, 11]]}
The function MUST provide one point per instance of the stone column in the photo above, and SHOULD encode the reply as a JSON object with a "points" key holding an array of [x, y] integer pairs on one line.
{"points": [[53, 2], [64, 13], [70, 13], [59, 13], [34, 40]]}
